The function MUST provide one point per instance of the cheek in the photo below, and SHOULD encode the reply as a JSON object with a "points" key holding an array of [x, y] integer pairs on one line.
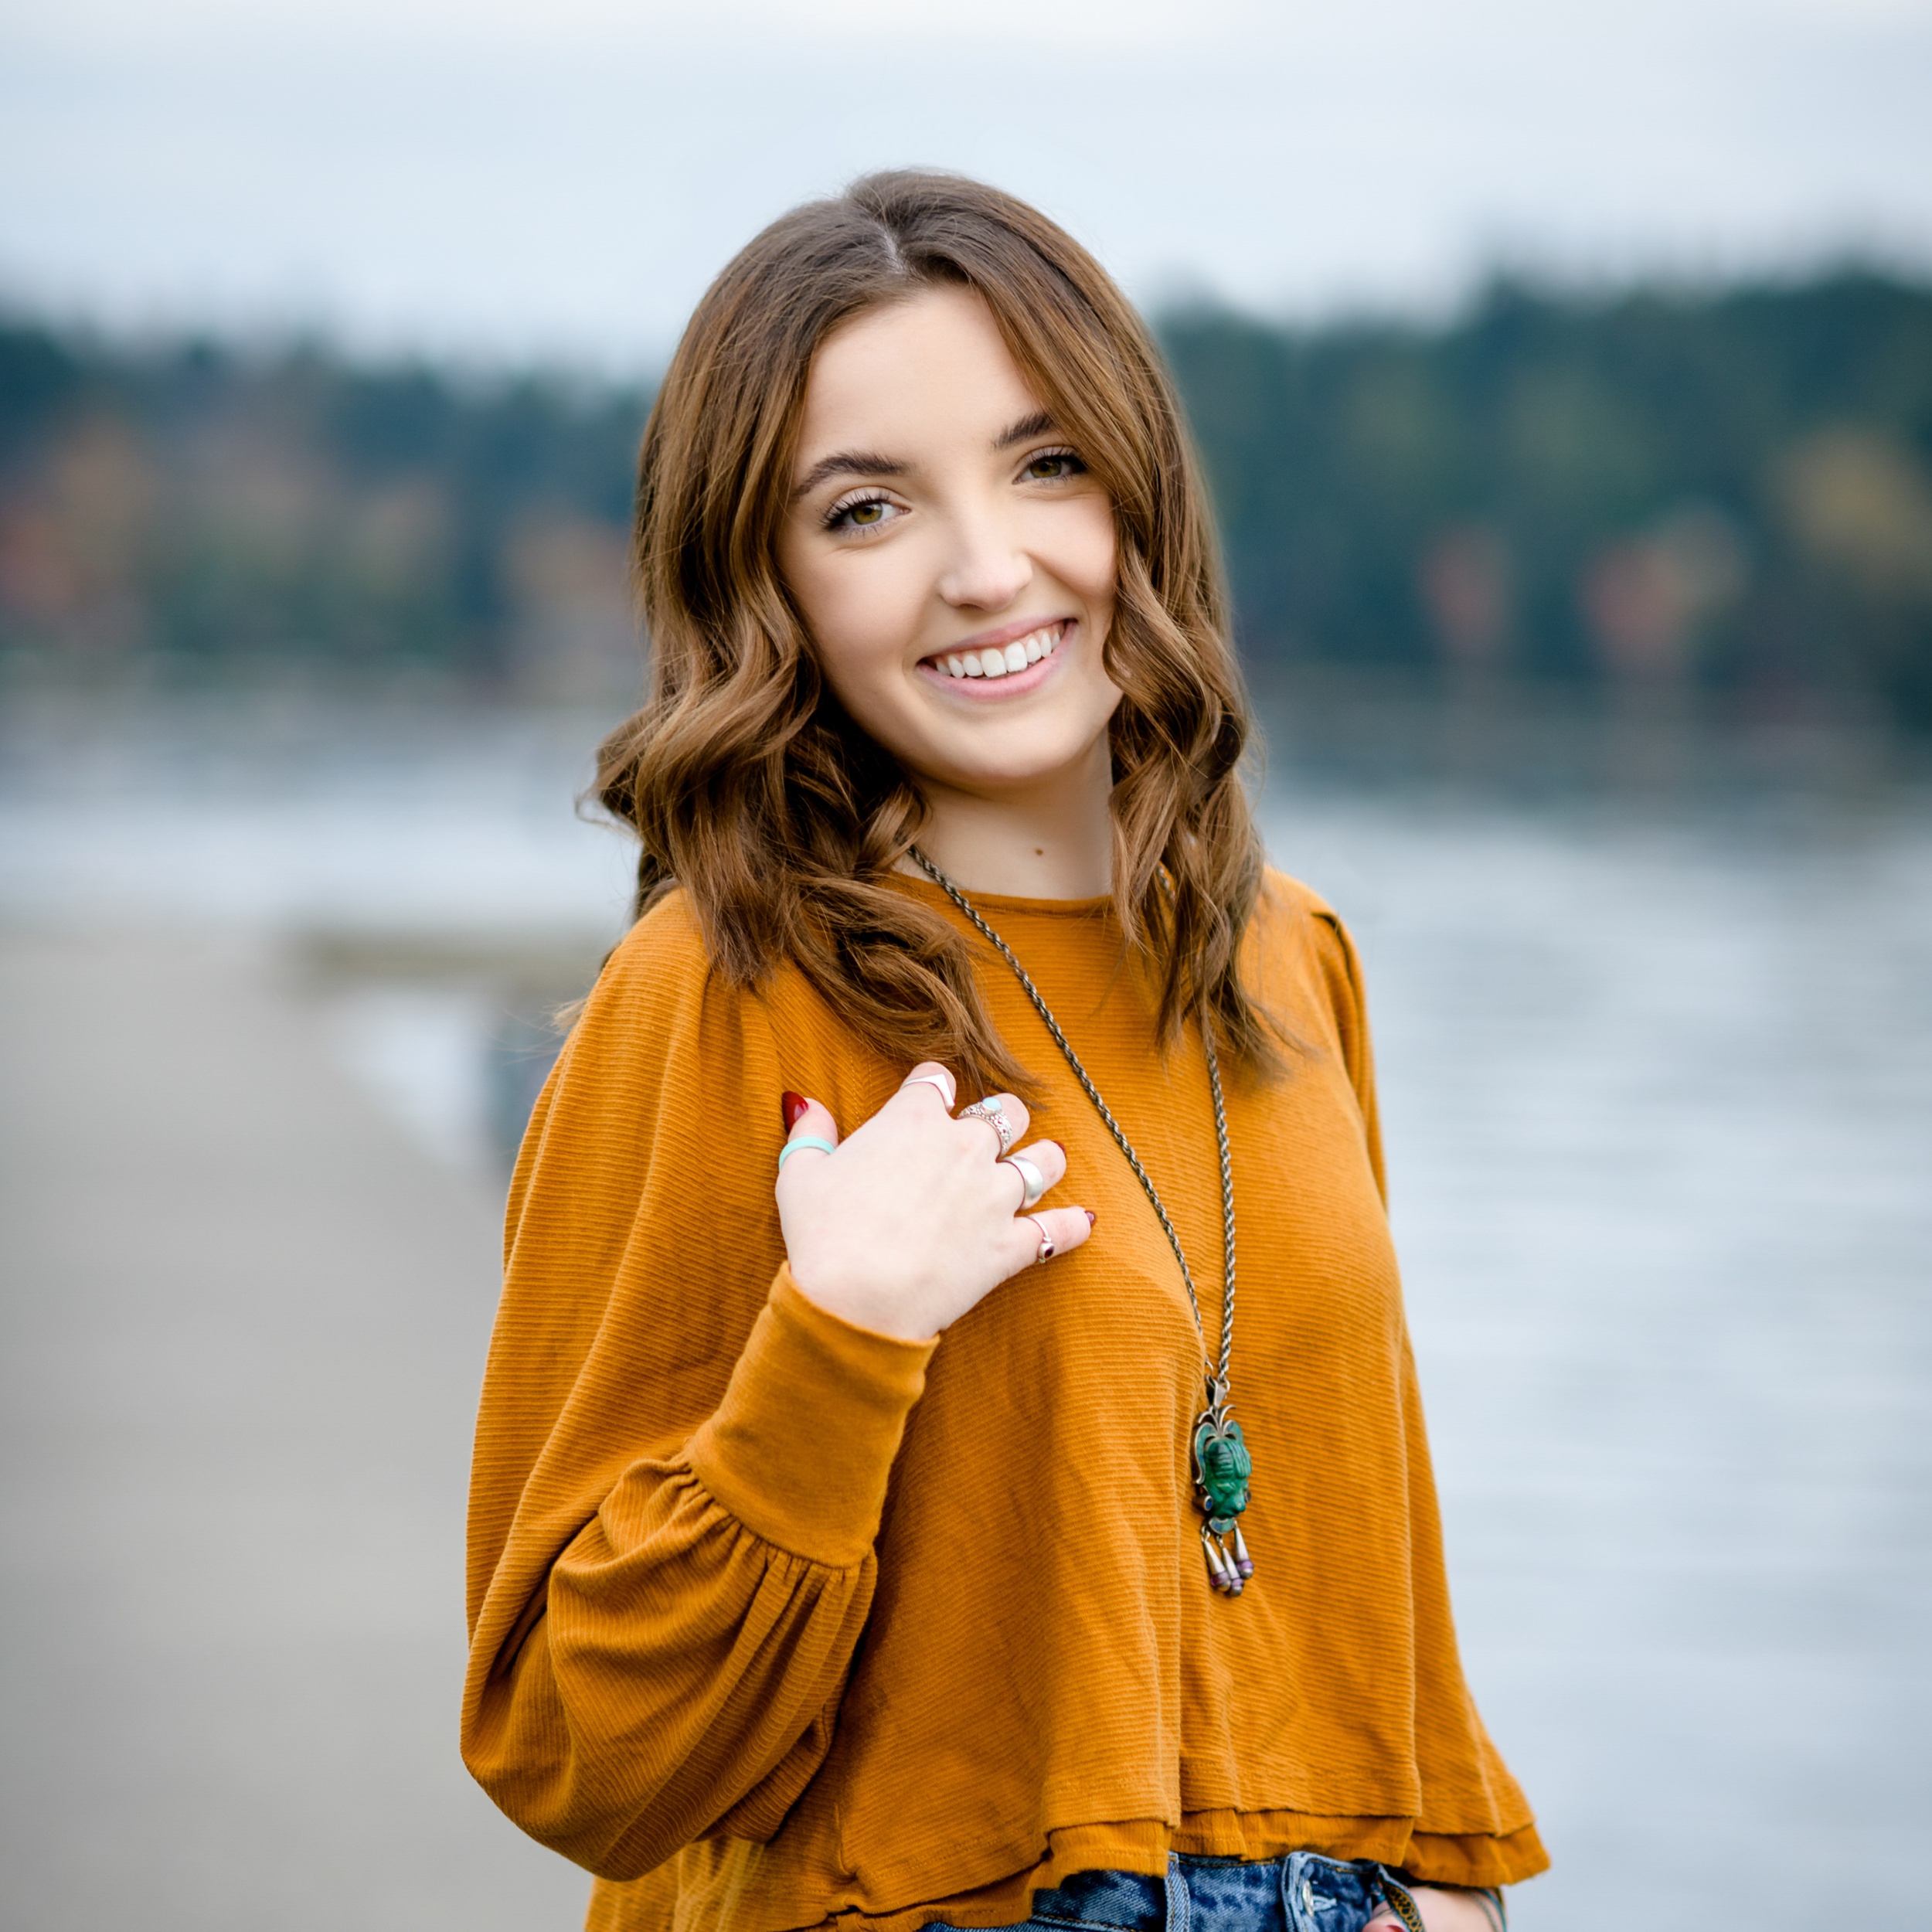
{"points": [[1088, 553], [859, 617]]}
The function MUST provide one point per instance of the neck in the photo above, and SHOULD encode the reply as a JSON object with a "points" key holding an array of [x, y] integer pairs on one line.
{"points": [[1052, 840]]}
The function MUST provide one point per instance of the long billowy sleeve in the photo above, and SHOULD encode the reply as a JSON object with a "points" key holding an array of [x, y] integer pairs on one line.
{"points": [[681, 1462]]}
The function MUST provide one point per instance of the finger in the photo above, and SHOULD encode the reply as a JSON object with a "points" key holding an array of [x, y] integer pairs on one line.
{"points": [[1018, 1119], [1066, 1228], [1048, 1156], [816, 1122], [930, 1073], [812, 1133]]}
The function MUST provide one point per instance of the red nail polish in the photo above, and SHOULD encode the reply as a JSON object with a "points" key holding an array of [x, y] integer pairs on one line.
{"points": [[1091, 1216], [792, 1106], [1060, 1145]]}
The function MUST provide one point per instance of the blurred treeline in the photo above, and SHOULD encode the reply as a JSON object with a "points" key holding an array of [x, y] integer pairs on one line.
{"points": [[1730, 493], [1725, 497], [220, 514]]}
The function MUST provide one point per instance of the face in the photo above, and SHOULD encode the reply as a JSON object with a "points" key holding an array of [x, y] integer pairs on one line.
{"points": [[953, 558]]}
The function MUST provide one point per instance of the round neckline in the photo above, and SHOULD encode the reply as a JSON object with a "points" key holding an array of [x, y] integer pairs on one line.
{"points": [[1006, 902]]}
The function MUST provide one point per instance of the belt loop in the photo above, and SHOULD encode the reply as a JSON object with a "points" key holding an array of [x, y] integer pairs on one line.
{"points": [[1179, 1912], [1292, 1908]]}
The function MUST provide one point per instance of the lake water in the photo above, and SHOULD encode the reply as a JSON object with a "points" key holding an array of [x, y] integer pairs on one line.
{"points": [[1658, 1081]]}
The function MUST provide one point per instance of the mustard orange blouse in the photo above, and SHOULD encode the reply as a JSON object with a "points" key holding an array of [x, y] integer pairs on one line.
{"points": [[774, 1619]]}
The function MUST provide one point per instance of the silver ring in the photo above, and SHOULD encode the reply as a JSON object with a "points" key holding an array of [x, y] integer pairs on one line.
{"points": [[1032, 1182], [990, 1110], [1047, 1251], [938, 1083]]}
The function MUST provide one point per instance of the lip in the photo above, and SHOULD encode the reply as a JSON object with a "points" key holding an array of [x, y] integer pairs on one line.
{"points": [[1015, 684], [997, 640]]}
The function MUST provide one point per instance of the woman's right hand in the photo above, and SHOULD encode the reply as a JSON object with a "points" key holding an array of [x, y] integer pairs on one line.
{"points": [[914, 1219]]}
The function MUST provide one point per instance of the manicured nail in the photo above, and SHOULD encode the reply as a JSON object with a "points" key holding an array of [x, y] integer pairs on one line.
{"points": [[1091, 1216], [1060, 1145], [793, 1107]]}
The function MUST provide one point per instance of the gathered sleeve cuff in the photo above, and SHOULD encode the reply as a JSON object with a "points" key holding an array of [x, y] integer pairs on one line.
{"points": [[801, 1448], [685, 1652]]}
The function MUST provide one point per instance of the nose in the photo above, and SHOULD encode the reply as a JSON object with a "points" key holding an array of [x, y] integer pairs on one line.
{"points": [[987, 569]]}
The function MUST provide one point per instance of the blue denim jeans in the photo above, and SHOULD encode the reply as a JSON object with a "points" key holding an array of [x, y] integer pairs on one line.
{"points": [[1300, 1893]]}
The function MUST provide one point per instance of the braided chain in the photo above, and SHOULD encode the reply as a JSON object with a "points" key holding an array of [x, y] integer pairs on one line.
{"points": [[1216, 1373], [1397, 1899]]}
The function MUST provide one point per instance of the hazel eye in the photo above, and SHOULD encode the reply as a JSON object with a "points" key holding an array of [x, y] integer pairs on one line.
{"points": [[862, 513], [1053, 466]]}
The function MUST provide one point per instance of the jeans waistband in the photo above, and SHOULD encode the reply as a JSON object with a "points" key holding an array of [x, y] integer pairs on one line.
{"points": [[1300, 1892]]}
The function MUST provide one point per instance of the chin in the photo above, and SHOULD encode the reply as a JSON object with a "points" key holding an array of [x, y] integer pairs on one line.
{"points": [[972, 770]]}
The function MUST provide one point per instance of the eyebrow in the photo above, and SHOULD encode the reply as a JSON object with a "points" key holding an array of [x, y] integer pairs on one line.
{"points": [[1039, 423], [854, 462], [869, 463]]}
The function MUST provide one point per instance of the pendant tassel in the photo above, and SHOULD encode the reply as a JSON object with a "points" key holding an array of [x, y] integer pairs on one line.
{"points": [[1244, 1563], [1220, 1572]]}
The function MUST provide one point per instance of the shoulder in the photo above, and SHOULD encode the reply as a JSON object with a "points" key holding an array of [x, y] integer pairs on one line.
{"points": [[664, 1048], [663, 956], [1294, 927], [1303, 966], [663, 969], [1288, 900], [664, 1013], [661, 1025]]}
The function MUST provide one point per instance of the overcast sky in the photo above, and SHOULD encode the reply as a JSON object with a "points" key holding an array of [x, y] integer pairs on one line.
{"points": [[558, 178]]}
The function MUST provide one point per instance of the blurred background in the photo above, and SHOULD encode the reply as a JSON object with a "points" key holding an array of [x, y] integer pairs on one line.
{"points": [[1564, 376]]}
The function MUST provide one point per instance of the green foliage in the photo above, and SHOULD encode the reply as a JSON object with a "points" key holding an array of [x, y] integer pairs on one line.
{"points": [[1732, 491]]}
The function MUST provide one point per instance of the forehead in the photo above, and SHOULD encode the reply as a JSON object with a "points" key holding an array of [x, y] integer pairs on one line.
{"points": [[929, 369]]}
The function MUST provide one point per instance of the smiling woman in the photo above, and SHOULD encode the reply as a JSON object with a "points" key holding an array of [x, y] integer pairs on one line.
{"points": [[761, 496], [821, 1569]]}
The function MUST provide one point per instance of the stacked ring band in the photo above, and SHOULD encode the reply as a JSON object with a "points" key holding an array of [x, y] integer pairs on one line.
{"points": [[994, 1116], [1032, 1182], [804, 1140]]}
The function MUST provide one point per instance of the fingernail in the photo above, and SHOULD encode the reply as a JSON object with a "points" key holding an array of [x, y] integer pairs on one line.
{"points": [[793, 1107], [1091, 1216], [1057, 1143]]}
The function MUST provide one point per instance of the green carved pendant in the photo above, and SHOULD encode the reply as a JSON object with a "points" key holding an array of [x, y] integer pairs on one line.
{"points": [[1222, 1469]]}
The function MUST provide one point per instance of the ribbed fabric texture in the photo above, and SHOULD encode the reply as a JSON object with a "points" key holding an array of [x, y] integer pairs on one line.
{"points": [[773, 1619]]}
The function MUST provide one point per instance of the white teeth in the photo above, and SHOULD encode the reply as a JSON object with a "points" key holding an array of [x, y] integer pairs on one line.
{"points": [[998, 663]]}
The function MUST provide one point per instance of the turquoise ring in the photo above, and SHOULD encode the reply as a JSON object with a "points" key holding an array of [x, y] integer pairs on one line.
{"points": [[804, 1140]]}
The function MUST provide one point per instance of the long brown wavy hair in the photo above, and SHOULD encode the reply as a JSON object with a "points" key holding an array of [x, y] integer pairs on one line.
{"points": [[747, 783]]}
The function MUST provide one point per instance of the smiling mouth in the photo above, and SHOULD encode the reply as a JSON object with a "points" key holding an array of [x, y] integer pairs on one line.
{"points": [[998, 661]]}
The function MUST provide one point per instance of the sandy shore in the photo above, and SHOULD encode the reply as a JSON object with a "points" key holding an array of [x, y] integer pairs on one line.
{"points": [[244, 1320]]}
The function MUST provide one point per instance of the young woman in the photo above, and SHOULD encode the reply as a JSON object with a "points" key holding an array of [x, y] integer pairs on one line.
{"points": [[896, 1512]]}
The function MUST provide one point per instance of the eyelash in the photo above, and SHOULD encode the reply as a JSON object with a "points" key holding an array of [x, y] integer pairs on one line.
{"points": [[1070, 457], [836, 517]]}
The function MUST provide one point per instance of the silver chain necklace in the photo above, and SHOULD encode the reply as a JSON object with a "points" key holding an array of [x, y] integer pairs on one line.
{"points": [[1222, 1462]]}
